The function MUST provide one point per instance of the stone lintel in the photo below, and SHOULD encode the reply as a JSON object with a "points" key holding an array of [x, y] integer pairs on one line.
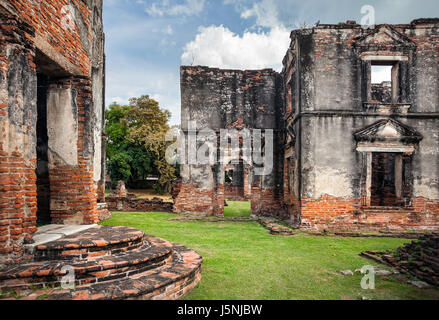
{"points": [[384, 58], [390, 149], [51, 53]]}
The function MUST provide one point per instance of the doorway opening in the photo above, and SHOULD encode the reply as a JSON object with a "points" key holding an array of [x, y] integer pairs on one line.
{"points": [[42, 171], [234, 183], [387, 179]]}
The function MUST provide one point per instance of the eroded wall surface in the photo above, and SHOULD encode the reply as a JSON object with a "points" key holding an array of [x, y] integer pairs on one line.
{"points": [[230, 99], [35, 37], [327, 80]]}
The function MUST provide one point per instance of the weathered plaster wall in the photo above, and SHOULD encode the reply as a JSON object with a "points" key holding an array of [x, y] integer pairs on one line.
{"points": [[332, 175], [97, 128], [98, 93], [222, 99], [18, 93], [327, 68], [33, 38], [324, 98], [229, 99], [425, 164], [62, 127], [334, 72], [329, 154], [424, 80]]}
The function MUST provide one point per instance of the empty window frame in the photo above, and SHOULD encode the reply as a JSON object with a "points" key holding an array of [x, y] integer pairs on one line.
{"points": [[384, 82]]}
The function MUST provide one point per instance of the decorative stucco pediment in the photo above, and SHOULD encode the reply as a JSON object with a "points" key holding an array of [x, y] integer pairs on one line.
{"points": [[385, 35], [388, 130]]}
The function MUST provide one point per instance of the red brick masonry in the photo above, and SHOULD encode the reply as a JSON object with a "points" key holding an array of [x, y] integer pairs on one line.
{"points": [[133, 204], [347, 214], [418, 258], [29, 30], [110, 263]]}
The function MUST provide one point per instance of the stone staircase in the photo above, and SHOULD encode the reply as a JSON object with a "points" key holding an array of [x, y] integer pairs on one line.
{"points": [[109, 263]]}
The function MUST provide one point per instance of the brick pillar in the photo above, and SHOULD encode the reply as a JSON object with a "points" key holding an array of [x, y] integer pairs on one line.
{"points": [[101, 192], [73, 190], [247, 184], [256, 199], [219, 201], [366, 184], [286, 180], [18, 203]]}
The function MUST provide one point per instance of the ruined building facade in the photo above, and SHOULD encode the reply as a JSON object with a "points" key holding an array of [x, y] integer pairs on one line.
{"points": [[51, 117], [229, 99], [348, 153]]}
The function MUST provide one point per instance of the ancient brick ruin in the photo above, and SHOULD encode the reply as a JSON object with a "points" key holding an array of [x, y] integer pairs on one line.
{"points": [[110, 263], [418, 258], [52, 172], [51, 117], [121, 200], [231, 99], [348, 153]]}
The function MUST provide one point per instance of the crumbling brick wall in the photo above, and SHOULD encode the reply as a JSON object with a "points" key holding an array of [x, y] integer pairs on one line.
{"points": [[73, 189], [234, 186], [34, 39], [17, 164], [71, 40], [234, 193], [131, 203], [329, 98], [230, 99], [332, 126], [382, 92]]}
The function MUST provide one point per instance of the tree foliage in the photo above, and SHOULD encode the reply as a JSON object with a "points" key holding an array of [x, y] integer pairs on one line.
{"points": [[136, 142], [148, 125]]}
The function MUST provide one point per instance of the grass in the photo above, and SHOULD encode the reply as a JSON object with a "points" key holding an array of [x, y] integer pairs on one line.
{"points": [[243, 261], [237, 209]]}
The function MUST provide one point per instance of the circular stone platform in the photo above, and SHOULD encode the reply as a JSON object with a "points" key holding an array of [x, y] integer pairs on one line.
{"points": [[108, 263]]}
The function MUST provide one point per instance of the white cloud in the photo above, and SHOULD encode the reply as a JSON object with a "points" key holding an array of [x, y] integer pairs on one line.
{"points": [[217, 46], [119, 100], [168, 8], [295, 13], [381, 74], [265, 12], [133, 78]]}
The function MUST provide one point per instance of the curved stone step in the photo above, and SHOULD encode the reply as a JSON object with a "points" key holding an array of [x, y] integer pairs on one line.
{"points": [[92, 243], [154, 253], [169, 282]]}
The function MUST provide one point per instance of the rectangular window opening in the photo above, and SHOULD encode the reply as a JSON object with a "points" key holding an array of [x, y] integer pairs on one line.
{"points": [[384, 82]]}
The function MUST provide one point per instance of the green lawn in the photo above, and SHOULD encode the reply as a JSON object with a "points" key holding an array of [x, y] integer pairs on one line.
{"points": [[243, 261], [237, 209]]}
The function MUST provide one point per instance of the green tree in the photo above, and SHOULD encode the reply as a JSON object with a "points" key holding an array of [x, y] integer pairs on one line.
{"points": [[136, 144], [148, 125], [116, 131], [126, 160]]}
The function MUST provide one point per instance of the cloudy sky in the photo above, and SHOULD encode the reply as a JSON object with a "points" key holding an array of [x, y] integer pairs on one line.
{"points": [[148, 40]]}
